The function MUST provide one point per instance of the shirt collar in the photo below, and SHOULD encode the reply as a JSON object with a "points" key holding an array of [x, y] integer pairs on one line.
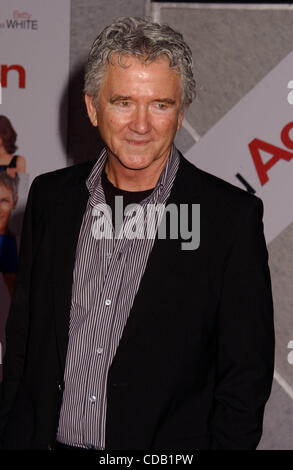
{"points": [[94, 179]]}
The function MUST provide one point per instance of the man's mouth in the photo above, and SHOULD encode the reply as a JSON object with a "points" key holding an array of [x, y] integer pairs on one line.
{"points": [[137, 142]]}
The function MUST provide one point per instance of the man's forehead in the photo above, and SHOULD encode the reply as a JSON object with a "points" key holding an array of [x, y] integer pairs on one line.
{"points": [[128, 75], [125, 61]]}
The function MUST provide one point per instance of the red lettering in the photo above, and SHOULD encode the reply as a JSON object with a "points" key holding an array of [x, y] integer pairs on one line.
{"points": [[21, 75], [285, 135], [278, 153]]}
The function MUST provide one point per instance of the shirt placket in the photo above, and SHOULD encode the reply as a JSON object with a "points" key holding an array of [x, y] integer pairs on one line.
{"points": [[103, 316]]}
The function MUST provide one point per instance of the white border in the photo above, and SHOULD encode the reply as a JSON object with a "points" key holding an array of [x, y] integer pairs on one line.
{"points": [[157, 6]]}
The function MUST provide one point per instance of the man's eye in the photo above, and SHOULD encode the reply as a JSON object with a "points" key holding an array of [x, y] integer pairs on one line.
{"points": [[161, 105], [124, 104]]}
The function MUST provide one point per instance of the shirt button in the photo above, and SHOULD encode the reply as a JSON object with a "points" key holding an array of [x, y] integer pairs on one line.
{"points": [[97, 212], [93, 399], [108, 255], [100, 350], [108, 302]]}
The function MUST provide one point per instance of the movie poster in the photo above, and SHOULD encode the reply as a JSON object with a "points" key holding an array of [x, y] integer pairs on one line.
{"points": [[34, 67], [257, 151]]}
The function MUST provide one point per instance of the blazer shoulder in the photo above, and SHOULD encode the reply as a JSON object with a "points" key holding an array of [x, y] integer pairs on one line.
{"points": [[48, 189], [64, 176]]}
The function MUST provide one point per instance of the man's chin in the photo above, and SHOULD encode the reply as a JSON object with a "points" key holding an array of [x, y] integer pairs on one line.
{"points": [[129, 164], [134, 167]]}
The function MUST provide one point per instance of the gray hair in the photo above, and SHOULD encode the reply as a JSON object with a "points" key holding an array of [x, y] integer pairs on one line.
{"points": [[145, 40], [11, 184]]}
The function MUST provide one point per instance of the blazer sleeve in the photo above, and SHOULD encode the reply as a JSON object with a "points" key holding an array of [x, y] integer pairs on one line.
{"points": [[245, 355], [18, 319]]}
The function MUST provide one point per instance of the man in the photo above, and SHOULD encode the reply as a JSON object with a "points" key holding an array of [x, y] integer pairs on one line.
{"points": [[122, 342]]}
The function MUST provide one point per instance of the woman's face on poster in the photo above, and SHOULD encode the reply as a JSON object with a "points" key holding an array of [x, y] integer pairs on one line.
{"points": [[6, 207]]}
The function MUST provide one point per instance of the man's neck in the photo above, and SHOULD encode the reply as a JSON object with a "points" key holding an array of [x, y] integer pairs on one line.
{"points": [[133, 180]]}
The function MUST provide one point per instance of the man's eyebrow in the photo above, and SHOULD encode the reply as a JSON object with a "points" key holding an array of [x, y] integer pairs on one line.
{"points": [[119, 98], [115, 98], [166, 100]]}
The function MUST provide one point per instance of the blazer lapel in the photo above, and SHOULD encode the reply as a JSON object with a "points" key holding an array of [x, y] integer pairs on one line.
{"points": [[68, 219]]}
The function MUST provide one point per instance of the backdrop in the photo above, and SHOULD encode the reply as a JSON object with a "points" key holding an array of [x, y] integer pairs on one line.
{"points": [[239, 127], [34, 67]]}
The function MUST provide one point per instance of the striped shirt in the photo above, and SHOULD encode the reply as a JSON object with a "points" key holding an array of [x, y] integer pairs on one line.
{"points": [[106, 278]]}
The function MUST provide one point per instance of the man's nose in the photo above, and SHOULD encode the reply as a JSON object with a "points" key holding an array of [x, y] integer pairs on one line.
{"points": [[140, 122]]}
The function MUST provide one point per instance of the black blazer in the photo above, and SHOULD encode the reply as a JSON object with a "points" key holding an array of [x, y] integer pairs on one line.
{"points": [[194, 366]]}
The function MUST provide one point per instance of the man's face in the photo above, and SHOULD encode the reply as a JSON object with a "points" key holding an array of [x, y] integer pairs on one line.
{"points": [[138, 111]]}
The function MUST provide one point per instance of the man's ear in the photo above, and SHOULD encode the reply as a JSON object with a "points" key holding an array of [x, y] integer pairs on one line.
{"points": [[180, 118], [91, 110]]}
